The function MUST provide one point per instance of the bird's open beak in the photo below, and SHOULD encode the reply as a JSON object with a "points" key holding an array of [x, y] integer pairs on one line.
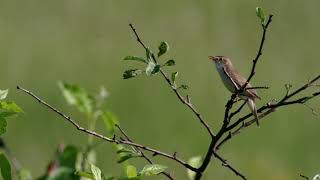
{"points": [[212, 58]]}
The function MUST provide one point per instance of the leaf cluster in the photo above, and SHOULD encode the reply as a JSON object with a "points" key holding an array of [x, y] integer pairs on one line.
{"points": [[90, 105], [152, 67], [7, 109]]}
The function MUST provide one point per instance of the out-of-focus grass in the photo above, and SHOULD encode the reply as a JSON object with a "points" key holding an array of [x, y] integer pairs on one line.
{"points": [[83, 42]]}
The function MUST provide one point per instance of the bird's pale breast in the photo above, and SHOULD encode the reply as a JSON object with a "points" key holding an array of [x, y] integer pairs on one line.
{"points": [[225, 79]]}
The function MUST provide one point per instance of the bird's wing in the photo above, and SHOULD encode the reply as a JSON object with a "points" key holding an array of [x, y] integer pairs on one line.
{"points": [[226, 72], [238, 81]]}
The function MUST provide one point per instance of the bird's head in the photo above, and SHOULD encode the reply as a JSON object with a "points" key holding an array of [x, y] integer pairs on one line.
{"points": [[220, 60]]}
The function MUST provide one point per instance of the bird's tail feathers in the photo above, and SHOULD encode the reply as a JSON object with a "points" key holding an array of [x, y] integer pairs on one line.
{"points": [[252, 105]]}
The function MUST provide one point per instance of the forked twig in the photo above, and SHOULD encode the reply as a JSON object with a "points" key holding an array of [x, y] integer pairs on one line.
{"points": [[174, 89], [143, 155], [111, 140], [224, 128]]}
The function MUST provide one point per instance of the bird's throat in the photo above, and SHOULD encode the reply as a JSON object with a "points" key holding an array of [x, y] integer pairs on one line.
{"points": [[225, 78]]}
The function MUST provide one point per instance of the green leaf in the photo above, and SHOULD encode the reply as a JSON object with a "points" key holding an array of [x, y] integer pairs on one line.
{"points": [[174, 75], [152, 169], [24, 174], [135, 58], [77, 96], [150, 68], [84, 174], [68, 157], [96, 172], [3, 125], [195, 162], [7, 114], [3, 94], [156, 69], [110, 122], [131, 171], [126, 157], [125, 150], [5, 167], [131, 73], [10, 107], [261, 15], [170, 62], [163, 48], [118, 147]]}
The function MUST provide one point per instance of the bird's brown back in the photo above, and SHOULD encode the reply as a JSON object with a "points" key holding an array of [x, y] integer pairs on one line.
{"points": [[240, 81]]}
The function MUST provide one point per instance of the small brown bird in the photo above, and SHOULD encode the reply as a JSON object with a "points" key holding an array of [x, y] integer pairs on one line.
{"points": [[234, 81]]}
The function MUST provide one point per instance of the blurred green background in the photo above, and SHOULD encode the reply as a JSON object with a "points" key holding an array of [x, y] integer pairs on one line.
{"points": [[83, 42]]}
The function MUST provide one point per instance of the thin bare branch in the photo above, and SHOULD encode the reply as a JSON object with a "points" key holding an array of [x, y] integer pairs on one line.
{"points": [[143, 155], [238, 110], [226, 164], [111, 140], [259, 53], [215, 139], [282, 102], [304, 177], [173, 88], [226, 121], [269, 108], [310, 83], [257, 87], [242, 126]]}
